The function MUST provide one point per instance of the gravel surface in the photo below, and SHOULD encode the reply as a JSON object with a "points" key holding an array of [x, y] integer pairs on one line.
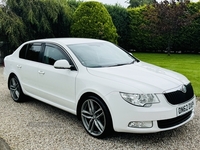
{"points": [[33, 125]]}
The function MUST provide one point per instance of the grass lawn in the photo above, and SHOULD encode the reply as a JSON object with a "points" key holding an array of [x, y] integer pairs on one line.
{"points": [[186, 64]]}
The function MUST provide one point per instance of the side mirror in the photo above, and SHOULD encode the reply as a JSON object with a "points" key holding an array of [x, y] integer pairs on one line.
{"points": [[62, 64]]}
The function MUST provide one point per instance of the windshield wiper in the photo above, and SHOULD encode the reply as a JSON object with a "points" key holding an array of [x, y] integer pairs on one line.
{"points": [[122, 64]]}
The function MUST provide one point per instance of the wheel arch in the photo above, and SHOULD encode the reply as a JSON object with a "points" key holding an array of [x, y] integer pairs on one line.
{"points": [[81, 100], [10, 76]]}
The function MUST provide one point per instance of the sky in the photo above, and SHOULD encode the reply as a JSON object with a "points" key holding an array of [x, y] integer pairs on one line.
{"points": [[113, 2], [122, 2]]}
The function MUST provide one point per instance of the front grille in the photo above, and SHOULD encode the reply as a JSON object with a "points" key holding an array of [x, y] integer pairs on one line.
{"points": [[174, 121], [178, 97]]}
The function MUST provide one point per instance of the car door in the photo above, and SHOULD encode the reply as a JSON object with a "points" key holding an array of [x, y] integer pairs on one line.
{"points": [[27, 67], [57, 86]]}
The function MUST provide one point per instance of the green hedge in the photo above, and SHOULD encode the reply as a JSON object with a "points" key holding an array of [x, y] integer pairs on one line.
{"points": [[23, 20], [132, 34], [190, 37], [92, 20], [142, 39], [120, 18]]}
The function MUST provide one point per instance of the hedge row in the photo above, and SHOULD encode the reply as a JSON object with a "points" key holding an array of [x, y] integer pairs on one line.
{"points": [[58, 19], [129, 23], [132, 36]]}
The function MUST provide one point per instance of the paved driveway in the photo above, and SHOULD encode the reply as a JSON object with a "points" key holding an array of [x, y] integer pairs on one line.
{"points": [[34, 125]]}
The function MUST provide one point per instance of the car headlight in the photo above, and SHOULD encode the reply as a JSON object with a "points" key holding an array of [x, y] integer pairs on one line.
{"points": [[142, 100]]}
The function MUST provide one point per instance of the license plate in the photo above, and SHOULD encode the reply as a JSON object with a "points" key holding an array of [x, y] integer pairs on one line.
{"points": [[185, 108]]}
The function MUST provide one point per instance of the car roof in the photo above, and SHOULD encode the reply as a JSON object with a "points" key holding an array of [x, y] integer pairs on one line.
{"points": [[67, 41]]}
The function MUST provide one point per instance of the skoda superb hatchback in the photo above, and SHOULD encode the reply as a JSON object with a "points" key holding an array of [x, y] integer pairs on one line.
{"points": [[106, 87]]}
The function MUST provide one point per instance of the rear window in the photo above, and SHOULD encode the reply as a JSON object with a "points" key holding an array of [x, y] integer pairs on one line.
{"points": [[30, 51], [22, 53]]}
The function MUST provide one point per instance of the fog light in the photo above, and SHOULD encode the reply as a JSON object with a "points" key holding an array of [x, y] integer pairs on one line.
{"points": [[140, 124]]}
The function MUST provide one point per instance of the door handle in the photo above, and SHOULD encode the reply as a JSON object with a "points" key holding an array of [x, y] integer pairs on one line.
{"points": [[19, 66], [41, 72]]}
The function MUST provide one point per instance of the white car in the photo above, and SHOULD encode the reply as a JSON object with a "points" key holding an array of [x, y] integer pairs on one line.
{"points": [[105, 86]]}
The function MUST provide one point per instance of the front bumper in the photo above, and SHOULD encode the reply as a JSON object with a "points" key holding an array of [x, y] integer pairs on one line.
{"points": [[163, 115]]}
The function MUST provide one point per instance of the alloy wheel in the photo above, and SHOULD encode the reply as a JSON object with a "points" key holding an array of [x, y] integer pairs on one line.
{"points": [[15, 89], [93, 117]]}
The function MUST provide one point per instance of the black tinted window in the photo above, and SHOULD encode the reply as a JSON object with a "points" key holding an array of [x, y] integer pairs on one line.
{"points": [[33, 52], [53, 53], [22, 53]]}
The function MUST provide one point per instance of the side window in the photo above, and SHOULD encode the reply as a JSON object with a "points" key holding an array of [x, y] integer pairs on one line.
{"points": [[52, 54], [33, 52], [22, 53]]}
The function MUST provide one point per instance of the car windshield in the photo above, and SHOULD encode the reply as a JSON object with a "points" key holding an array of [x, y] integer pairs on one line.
{"points": [[101, 54]]}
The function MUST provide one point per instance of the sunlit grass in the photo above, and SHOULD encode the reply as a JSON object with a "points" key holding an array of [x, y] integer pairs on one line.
{"points": [[186, 64]]}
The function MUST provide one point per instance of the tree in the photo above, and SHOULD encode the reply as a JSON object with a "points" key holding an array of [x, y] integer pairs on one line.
{"points": [[168, 18], [41, 18], [140, 38], [73, 4], [189, 37], [120, 18], [12, 28], [92, 20], [136, 3]]}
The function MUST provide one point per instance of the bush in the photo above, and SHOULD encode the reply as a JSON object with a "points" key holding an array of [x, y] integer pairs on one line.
{"points": [[92, 20], [188, 41], [120, 19], [141, 39], [73, 4]]}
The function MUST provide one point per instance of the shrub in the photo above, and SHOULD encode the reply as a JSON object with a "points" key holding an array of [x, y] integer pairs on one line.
{"points": [[120, 19], [73, 4], [142, 39], [188, 41], [92, 20]]}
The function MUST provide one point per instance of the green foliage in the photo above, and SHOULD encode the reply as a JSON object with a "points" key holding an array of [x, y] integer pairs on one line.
{"points": [[12, 28], [92, 20], [137, 3], [37, 18], [137, 37], [141, 39], [188, 37], [156, 27], [167, 19], [144, 28], [120, 19], [73, 4]]}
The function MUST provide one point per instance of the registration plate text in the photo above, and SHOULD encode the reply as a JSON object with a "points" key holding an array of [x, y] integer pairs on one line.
{"points": [[185, 108]]}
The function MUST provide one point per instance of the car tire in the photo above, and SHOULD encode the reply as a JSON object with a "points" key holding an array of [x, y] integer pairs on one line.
{"points": [[16, 90], [96, 117]]}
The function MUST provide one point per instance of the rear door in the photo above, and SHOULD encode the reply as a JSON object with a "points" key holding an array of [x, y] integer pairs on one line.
{"points": [[27, 66]]}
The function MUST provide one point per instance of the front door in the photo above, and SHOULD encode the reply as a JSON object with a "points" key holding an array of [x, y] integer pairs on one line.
{"points": [[57, 86]]}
